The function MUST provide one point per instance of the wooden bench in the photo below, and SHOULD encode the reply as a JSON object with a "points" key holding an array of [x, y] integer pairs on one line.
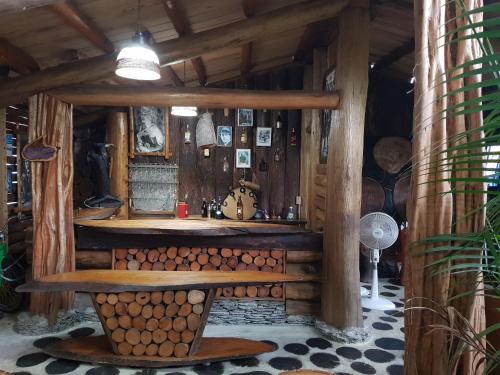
{"points": [[153, 319]]}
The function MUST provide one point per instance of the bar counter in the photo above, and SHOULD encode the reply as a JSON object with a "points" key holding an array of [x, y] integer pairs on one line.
{"points": [[107, 234]]}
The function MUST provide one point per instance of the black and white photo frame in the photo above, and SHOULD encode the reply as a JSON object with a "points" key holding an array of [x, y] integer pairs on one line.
{"points": [[243, 158], [224, 136], [263, 137], [245, 117]]}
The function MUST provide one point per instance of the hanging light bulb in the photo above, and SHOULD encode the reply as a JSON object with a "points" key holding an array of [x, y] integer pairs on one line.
{"points": [[184, 111], [138, 60]]}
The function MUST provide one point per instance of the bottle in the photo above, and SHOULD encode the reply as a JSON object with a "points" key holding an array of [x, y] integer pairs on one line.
{"points": [[204, 208], [291, 213], [187, 135], [293, 138], [218, 212], [213, 209], [243, 137], [239, 208]]}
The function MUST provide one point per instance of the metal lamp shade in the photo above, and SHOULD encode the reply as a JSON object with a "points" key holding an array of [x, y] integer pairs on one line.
{"points": [[205, 132]]}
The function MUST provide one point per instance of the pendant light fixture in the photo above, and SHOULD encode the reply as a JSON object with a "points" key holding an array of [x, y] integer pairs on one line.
{"points": [[138, 60], [184, 111]]}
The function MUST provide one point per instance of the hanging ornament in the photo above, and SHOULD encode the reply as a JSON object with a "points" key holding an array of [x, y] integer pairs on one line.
{"points": [[206, 152], [243, 137], [205, 132], [277, 156], [225, 165], [187, 135], [293, 138], [279, 122]]}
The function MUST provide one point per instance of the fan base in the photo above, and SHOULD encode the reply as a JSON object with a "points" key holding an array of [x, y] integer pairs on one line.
{"points": [[377, 303]]}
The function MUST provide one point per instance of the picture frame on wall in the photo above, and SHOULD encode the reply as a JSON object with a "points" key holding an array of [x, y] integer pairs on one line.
{"points": [[149, 131], [264, 136], [245, 117], [243, 158], [224, 136]]}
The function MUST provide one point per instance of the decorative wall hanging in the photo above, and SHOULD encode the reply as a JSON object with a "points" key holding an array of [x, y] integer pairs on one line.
{"points": [[245, 117], [224, 136], [149, 131], [243, 158], [38, 150], [205, 132], [264, 137], [327, 116]]}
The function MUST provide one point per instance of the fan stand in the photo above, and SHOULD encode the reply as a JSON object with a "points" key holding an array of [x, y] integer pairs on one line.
{"points": [[374, 302]]}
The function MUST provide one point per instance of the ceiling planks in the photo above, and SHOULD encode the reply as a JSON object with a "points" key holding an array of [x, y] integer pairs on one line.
{"points": [[317, 34], [11, 6], [178, 17], [16, 58], [82, 24], [249, 7], [395, 55]]}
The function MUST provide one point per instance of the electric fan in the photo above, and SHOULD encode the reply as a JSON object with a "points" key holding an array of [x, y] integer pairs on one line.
{"points": [[378, 231]]}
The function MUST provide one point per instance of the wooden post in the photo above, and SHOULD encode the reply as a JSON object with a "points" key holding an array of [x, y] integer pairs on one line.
{"points": [[306, 152], [4, 213], [319, 69], [340, 300], [117, 136]]}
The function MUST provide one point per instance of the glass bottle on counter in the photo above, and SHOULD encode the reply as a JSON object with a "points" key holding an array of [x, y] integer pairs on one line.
{"points": [[213, 208], [239, 208], [204, 208], [218, 213]]}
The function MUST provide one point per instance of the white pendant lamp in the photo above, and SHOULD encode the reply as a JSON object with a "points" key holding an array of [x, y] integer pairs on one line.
{"points": [[184, 111], [138, 60]]}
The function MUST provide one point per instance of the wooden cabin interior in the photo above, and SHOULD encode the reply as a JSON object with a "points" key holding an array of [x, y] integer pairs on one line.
{"points": [[138, 239]]}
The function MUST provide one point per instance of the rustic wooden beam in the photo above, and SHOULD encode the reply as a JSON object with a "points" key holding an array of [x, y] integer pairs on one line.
{"points": [[249, 7], [315, 35], [231, 35], [341, 305], [11, 6], [94, 95], [173, 76], [83, 25], [16, 58], [177, 16], [395, 55], [117, 136]]}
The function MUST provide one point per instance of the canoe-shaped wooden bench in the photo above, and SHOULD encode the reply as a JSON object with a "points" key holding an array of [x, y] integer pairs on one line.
{"points": [[153, 319]]}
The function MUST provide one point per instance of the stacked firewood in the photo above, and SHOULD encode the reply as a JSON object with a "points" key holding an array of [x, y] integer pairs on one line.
{"points": [[151, 323], [208, 259]]}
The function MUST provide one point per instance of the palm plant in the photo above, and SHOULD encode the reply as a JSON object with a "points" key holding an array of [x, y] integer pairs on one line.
{"points": [[466, 162]]}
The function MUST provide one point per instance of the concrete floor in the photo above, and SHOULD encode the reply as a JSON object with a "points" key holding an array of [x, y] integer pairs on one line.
{"points": [[298, 347]]}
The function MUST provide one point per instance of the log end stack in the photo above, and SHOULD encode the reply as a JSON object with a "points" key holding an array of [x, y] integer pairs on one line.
{"points": [[162, 324], [208, 259]]}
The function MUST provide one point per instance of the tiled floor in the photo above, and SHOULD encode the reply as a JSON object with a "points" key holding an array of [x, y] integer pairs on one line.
{"points": [[298, 347]]}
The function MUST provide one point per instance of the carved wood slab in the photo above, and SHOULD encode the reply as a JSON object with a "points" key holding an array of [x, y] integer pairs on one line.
{"points": [[197, 227], [96, 349], [122, 281]]}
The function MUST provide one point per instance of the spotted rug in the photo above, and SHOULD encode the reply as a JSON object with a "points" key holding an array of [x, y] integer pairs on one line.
{"points": [[298, 347]]}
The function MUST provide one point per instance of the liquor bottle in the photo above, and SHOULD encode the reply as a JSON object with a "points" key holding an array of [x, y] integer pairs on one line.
{"points": [[218, 213], [187, 135], [239, 208], [213, 209], [204, 208], [293, 138]]}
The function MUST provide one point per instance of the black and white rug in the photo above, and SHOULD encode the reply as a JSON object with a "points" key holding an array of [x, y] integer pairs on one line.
{"points": [[299, 347]]}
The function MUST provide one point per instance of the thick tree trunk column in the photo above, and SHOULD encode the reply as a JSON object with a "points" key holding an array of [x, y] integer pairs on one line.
{"points": [[117, 136], [340, 299]]}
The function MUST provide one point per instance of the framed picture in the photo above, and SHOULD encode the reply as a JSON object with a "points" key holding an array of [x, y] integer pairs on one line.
{"points": [[149, 131], [327, 116], [264, 137], [224, 136], [245, 117], [243, 158]]}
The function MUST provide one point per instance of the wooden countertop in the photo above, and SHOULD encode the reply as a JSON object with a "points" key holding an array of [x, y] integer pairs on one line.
{"points": [[198, 227], [122, 281]]}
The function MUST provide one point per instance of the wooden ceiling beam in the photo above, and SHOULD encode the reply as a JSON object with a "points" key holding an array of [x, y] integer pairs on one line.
{"points": [[118, 96], [16, 58], [395, 55], [78, 21], [182, 26], [12, 6], [249, 7], [232, 35], [172, 75], [315, 35]]}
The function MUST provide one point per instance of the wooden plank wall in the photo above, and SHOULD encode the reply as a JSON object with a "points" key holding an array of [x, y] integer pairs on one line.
{"points": [[201, 177]]}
